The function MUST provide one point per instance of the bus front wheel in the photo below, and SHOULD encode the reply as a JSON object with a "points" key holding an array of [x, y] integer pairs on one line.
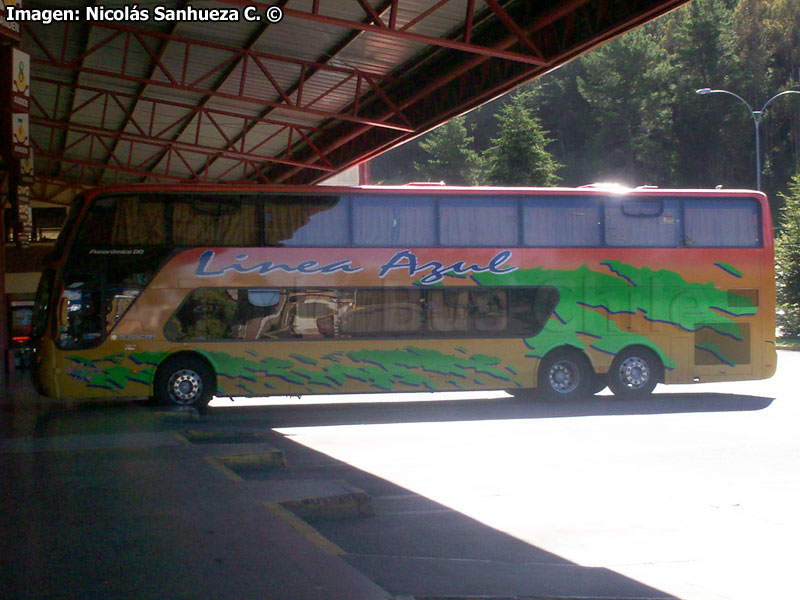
{"points": [[634, 373], [565, 374], [185, 381]]}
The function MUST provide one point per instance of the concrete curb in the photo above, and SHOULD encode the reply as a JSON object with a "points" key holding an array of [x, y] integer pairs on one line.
{"points": [[177, 414], [197, 436], [340, 506], [304, 529], [250, 462], [234, 467]]}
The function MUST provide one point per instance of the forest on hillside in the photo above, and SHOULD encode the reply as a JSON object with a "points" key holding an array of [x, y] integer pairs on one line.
{"points": [[628, 111]]}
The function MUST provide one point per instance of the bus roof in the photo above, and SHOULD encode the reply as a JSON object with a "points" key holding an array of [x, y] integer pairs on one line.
{"points": [[435, 188]]}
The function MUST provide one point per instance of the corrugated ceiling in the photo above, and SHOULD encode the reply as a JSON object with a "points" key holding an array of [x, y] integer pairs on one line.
{"points": [[333, 83]]}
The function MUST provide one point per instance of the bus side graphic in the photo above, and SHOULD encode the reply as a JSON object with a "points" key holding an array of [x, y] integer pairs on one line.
{"points": [[590, 315]]}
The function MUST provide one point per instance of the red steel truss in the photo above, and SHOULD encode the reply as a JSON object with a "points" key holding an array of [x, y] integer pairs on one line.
{"points": [[137, 104]]}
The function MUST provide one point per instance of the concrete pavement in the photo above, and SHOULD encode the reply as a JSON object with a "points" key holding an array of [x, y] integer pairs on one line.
{"points": [[106, 501], [119, 500]]}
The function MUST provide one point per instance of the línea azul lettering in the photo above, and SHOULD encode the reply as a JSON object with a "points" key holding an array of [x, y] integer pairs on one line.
{"points": [[437, 270], [307, 267]]}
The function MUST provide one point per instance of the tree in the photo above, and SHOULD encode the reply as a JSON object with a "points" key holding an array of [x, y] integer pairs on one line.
{"points": [[563, 110], [787, 262], [627, 84], [517, 156], [449, 156], [709, 131], [781, 126]]}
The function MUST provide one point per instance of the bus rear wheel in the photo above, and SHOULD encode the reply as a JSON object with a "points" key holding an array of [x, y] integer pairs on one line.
{"points": [[634, 373], [565, 374], [185, 381]]}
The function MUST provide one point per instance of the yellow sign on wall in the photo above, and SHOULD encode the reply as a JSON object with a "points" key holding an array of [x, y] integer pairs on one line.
{"points": [[26, 167], [10, 29], [20, 135], [21, 74]]}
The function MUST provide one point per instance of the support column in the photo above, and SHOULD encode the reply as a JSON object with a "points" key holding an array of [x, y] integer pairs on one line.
{"points": [[5, 355], [6, 165], [364, 174], [15, 146]]}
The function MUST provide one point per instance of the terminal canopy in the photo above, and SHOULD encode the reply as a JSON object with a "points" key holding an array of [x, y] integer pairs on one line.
{"points": [[286, 92]]}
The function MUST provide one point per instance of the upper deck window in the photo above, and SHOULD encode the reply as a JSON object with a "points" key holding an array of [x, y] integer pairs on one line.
{"points": [[478, 221], [312, 221], [393, 221], [124, 221], [643, 223], [561, 222], [160, 221], [214, 221], [722, 223]]}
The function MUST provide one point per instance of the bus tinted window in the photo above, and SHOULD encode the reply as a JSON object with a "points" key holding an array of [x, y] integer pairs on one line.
{"points": [[721, 223], [230, 314], [380, 312], [316, 221], [156, 220], [214, 221], [561, 222], [393, 221], [462, 310], [643, 223], [138, 221], [42, 304], [478, 222], [217, 314], [100, 224], [124, 221]]}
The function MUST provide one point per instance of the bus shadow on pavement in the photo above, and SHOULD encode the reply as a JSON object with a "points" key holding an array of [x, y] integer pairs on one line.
{"points": [[287, 415]]}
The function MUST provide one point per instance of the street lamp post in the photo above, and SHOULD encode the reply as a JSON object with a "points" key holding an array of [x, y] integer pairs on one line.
{"points": [[756, 114]]}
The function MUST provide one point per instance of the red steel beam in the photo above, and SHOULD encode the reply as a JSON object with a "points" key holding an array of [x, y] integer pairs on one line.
{"points": [[297, 90], [55, 156], [512, 26], [555, 40], [45, 189], [333, 144], [119, 29], [99, 134], [182, 86], [314, 15], [135, 102], [192, 109]]}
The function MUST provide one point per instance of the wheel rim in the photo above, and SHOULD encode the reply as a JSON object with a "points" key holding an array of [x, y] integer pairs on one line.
{"points": [[564, 377], [634, 372], [185, 386]]}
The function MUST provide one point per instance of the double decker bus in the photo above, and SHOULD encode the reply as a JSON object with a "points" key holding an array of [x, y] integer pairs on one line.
{"points": [[184, 292]]}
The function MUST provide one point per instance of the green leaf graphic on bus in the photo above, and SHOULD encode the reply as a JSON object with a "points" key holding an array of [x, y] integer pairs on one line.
{"points": [[383, 369], [591, 304]]}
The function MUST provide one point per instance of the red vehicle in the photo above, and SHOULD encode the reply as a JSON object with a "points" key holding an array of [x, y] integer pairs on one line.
{"points": [[20, 311]]}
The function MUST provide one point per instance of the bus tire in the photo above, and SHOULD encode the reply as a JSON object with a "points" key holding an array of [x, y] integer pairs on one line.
{"points": [[634, 373], [565, 374], [185, 380]]}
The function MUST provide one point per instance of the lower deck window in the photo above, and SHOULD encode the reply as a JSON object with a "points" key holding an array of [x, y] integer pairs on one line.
{"points": [[254, 314]]}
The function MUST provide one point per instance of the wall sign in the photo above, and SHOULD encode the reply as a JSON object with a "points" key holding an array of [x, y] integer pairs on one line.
{"points": [[10, 29]]}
